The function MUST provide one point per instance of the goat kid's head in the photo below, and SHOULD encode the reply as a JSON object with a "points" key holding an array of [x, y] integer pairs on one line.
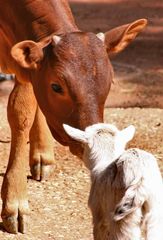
{"points": [[101, 139]]}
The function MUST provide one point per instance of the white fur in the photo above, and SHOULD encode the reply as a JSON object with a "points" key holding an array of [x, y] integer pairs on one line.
{"points": [[56, 39], [127, 189], [101, 36]]}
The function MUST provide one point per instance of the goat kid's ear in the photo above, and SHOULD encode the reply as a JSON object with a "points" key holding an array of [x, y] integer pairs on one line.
{"points": [[75, 133], [119, 38], [128, 133], [28, 54]]}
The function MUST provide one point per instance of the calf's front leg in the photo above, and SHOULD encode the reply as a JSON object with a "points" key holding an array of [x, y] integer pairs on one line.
{"points": [[21, 112], [41, 148]]}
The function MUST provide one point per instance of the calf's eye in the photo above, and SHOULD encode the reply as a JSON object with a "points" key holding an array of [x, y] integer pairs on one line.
{"points": [[56, 88]]}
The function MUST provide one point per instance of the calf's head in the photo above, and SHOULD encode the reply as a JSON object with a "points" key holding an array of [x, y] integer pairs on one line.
{"points": [[71, 75]]}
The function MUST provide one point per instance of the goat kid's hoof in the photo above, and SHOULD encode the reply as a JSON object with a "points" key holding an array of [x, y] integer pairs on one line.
{"points": [[15, 224], [42, 172]]}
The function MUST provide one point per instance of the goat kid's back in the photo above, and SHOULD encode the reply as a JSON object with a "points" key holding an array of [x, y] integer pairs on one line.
{"points": [[129, 194]]}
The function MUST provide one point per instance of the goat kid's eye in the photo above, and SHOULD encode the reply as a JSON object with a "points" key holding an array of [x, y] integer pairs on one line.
{"points": [[56, 88]]}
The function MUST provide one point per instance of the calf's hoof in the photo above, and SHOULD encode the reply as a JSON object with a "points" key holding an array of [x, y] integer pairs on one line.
{"points": [[15, 224], [15, 207], [15, 217], [42, 165], [42, 172]]}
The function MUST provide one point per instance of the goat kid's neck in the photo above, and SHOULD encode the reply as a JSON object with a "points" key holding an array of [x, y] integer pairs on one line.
{"points": [[100, 160]]}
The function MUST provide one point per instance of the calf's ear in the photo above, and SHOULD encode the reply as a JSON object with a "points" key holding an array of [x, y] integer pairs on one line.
{"points": [[28, 54], [119, 38], [75, 133]]}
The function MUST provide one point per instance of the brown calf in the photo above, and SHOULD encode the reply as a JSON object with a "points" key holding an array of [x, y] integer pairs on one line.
{"points": [[67, 71]]}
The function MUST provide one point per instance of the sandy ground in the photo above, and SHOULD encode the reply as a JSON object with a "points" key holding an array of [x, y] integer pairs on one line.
{"points": [[59, 206]]}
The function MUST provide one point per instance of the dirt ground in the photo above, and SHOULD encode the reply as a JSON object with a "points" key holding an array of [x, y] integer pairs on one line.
{"points": [[59, 206]]}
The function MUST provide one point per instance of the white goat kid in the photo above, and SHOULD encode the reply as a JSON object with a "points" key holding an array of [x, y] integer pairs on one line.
{"points": [[127, 189]]}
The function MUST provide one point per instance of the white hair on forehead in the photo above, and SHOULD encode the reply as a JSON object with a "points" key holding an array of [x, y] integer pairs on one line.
{"points": [[102, 128]]}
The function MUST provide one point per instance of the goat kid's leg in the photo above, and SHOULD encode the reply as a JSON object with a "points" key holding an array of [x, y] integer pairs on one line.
{"points": [[41, 148], [21, 112]]}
